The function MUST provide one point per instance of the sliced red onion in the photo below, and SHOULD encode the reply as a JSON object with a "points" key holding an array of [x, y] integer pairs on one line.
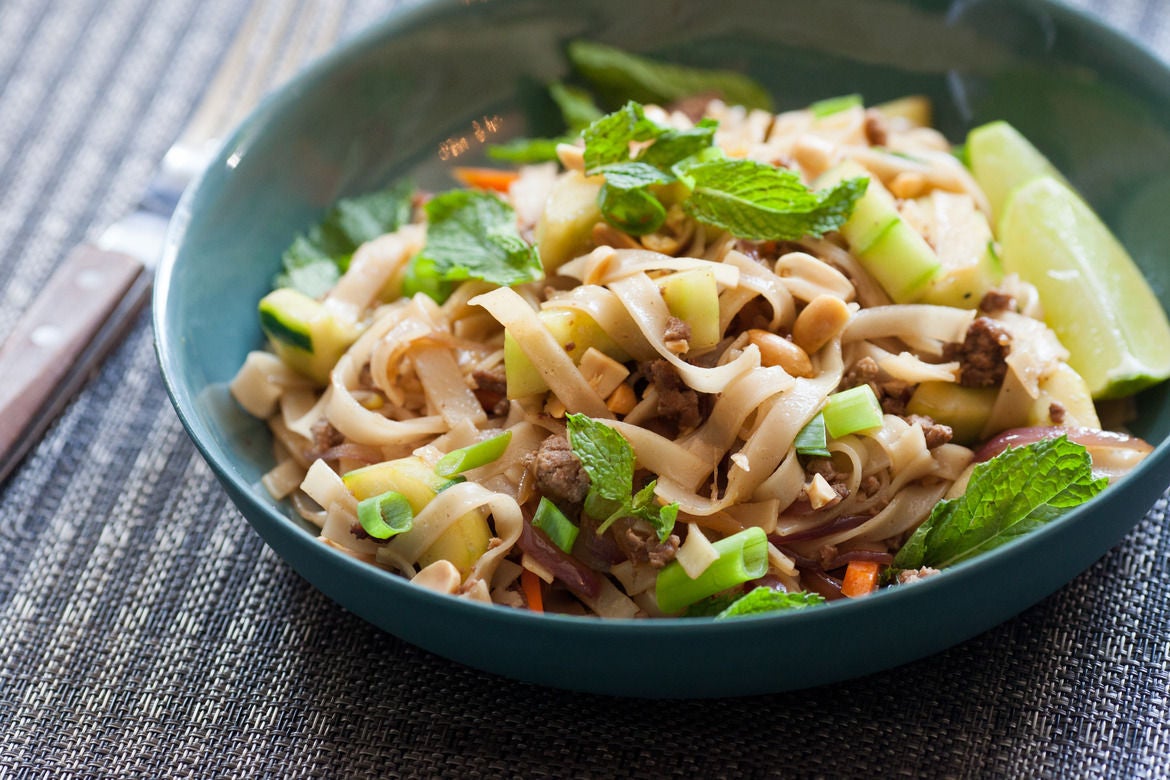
{"points": [[1113, 454], [839, 523], [575, 575], [873, 556], [363, 453]]}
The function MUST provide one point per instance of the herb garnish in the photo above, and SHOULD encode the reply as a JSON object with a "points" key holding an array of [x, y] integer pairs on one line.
{"points": [[471, 234], [757, 601], [748, 199], [619, 75], [1008, 496], [315, 260], [608, 459]]}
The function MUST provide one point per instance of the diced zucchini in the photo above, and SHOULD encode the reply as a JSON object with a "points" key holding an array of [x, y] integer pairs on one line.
{"points": [[965, 409], [893, 252], [410, 476], [565, 229], [574, 330], [462, 544], [693, 297], [303, 333], [965, 249]]}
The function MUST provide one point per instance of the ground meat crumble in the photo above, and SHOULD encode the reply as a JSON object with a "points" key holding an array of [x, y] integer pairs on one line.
{"points": [[982, 354], [559, 473]]}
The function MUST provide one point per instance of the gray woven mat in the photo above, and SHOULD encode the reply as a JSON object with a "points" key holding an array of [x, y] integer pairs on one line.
{"points": [[146, 631]]}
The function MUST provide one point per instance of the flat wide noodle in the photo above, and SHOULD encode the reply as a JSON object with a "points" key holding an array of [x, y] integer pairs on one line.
{"points": [[549, 357], [640, 296]]}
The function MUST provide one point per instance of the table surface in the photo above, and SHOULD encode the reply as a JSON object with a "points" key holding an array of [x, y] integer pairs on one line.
{"points": [[145, 630]]}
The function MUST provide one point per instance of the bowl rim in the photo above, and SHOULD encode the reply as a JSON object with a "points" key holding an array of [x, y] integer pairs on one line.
{"points": [[167, 352]]}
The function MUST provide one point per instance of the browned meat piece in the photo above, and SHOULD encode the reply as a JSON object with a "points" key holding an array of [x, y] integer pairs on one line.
{"points": [[825, 467], [677, 336], [875, 129], [325, 436], [1056, 413], [936, 434], [906, 576], [982, 353], [863, 372], [559, 473], [491, 390], [994, 301], [676, 330], [870, 485], [892, 394], [676, 401], [640, 543], [693, 106]]}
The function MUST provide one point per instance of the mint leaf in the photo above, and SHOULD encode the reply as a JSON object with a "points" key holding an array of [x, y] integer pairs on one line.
{"points": [[608, 139], [472, 234], [526, 151], [673, 146], [632, 175], [618, 75], [608, 459], [315, 260], [1012, 494], [634, 211], [764, 599], [759, 202], [576, 105]]}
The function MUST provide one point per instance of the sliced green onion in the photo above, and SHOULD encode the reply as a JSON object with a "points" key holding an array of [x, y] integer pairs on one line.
{"points": [[812, 440], [554, 523], [852, 410], [833, 105], [473, 456], [742, 557], [385, 515]]}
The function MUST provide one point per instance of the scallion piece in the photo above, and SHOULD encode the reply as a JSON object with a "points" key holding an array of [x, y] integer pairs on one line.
{"points": [[742, 557], [553, 522], [811, 440], [473, 456], [833, 105], [385, 515], [852, 410]]}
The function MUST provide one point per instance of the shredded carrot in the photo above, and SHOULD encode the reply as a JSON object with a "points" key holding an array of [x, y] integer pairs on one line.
{"points": [[530, 583], [486, 178], [861, 578]]}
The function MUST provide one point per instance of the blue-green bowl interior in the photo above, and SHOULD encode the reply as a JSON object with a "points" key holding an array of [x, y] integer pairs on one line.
{"points": [[402, 98]]}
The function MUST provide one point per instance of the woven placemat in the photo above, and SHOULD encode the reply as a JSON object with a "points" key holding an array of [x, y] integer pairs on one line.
{"points": [[146, 631]]}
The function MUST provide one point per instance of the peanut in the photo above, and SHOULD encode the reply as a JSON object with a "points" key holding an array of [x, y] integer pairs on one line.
{"points": [[778, 351], [820, 321]]}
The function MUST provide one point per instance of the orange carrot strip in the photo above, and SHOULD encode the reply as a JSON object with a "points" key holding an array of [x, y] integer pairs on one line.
{"points": [[530, 583], [861, 578], [486, 178]]}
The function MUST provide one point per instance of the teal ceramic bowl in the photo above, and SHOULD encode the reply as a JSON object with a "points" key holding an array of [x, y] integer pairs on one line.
{"points": [[401, 97]]}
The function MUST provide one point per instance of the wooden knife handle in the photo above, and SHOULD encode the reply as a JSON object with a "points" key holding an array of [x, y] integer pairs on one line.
{"points": [[55, 345]]}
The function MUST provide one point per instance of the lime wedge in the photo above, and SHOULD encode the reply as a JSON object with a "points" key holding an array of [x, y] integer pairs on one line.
{"points": [[1093, 294], [1001, 159]]}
